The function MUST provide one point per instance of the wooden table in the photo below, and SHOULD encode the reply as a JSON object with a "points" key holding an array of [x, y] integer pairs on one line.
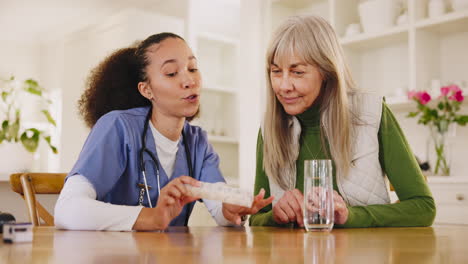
{"points": [[439, 244]]}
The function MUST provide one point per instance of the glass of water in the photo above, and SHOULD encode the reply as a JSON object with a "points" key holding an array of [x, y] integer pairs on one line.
{"points": [[318, 195]]}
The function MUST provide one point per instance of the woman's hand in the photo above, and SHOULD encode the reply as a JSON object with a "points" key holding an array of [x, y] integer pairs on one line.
{"points": [[289, 208], [341, 210], [174, 196], [172, 199], [233, 213]]}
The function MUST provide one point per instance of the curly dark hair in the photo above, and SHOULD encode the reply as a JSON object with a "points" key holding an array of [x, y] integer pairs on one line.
{"points": [[113, 84]]}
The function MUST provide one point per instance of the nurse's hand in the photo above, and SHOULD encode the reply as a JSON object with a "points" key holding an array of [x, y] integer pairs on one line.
{"points": [[233, 213], [289, 208], [174, 196]]}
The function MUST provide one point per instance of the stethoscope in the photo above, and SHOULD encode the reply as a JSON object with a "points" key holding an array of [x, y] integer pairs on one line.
{"points": [[144, 150]]}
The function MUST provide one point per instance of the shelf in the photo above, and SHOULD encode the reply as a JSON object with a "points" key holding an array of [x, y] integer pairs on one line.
{"points": [[366, 41], [446, 24], [399, 103], [396, 100], [447, 179], [402, 106], [222, 139]]}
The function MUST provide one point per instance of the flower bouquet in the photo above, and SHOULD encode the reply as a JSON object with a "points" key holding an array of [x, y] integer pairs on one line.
{"points": [[439, 114]]}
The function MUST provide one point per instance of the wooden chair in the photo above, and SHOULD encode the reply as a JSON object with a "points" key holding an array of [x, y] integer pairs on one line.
{"points": [[30, 184]]}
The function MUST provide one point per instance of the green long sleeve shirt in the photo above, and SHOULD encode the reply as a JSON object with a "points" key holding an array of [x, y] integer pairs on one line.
{"points": [[416, 206]]}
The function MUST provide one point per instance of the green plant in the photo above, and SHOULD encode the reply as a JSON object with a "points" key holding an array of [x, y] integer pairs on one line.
{"points": [[10, 111]]}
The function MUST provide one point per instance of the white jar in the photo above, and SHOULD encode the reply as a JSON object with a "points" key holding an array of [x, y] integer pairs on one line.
{"points": [[435, 8], [377, 15]]}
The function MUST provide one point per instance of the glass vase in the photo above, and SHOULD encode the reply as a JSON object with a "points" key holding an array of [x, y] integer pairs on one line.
{"points": [[440, 149]]}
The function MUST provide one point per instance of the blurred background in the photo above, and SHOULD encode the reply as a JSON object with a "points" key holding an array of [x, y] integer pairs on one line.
{"points": [[393, 47]]}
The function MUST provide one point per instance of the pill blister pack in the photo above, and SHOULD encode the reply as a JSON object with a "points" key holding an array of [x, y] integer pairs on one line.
{"points": [[220, 191]]}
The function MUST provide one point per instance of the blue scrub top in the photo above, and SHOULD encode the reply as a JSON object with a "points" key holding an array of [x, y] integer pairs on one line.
{"points": [[110, 160]]}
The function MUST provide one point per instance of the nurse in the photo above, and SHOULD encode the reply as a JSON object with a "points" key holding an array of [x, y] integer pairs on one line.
{"points": [[142, 151]]}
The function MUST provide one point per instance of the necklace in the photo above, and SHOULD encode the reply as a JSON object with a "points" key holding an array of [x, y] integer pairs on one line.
{"points": [[314, 156]]}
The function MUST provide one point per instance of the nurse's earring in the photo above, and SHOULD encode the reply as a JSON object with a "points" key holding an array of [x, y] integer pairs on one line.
{"points": [[149, 96]]}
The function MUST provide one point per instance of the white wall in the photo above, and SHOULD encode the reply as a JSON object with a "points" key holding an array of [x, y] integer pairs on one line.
{"points": [[250, 88], [19, 59]]}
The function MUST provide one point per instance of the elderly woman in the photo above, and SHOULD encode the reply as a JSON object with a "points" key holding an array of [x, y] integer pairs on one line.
{"points": [[315, 111]]}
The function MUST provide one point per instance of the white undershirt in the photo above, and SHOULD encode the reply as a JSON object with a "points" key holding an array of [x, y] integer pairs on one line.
{"points": [[166, 150], [78, 209]]}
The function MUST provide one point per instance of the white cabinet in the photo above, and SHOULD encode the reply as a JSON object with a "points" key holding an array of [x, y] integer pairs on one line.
{"points": [[213, 34], [217, 59], [451, 198], [217, 56], [441, 49]]}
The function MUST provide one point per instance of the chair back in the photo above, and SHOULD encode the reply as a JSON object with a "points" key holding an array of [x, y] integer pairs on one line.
{"points": [[30, 184]]}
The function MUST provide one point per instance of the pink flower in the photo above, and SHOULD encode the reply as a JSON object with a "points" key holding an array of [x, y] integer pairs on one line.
{"points": [[424, 97], [421, 96], [457, 96], [412, 95], [445, 90], [454, 88]]}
